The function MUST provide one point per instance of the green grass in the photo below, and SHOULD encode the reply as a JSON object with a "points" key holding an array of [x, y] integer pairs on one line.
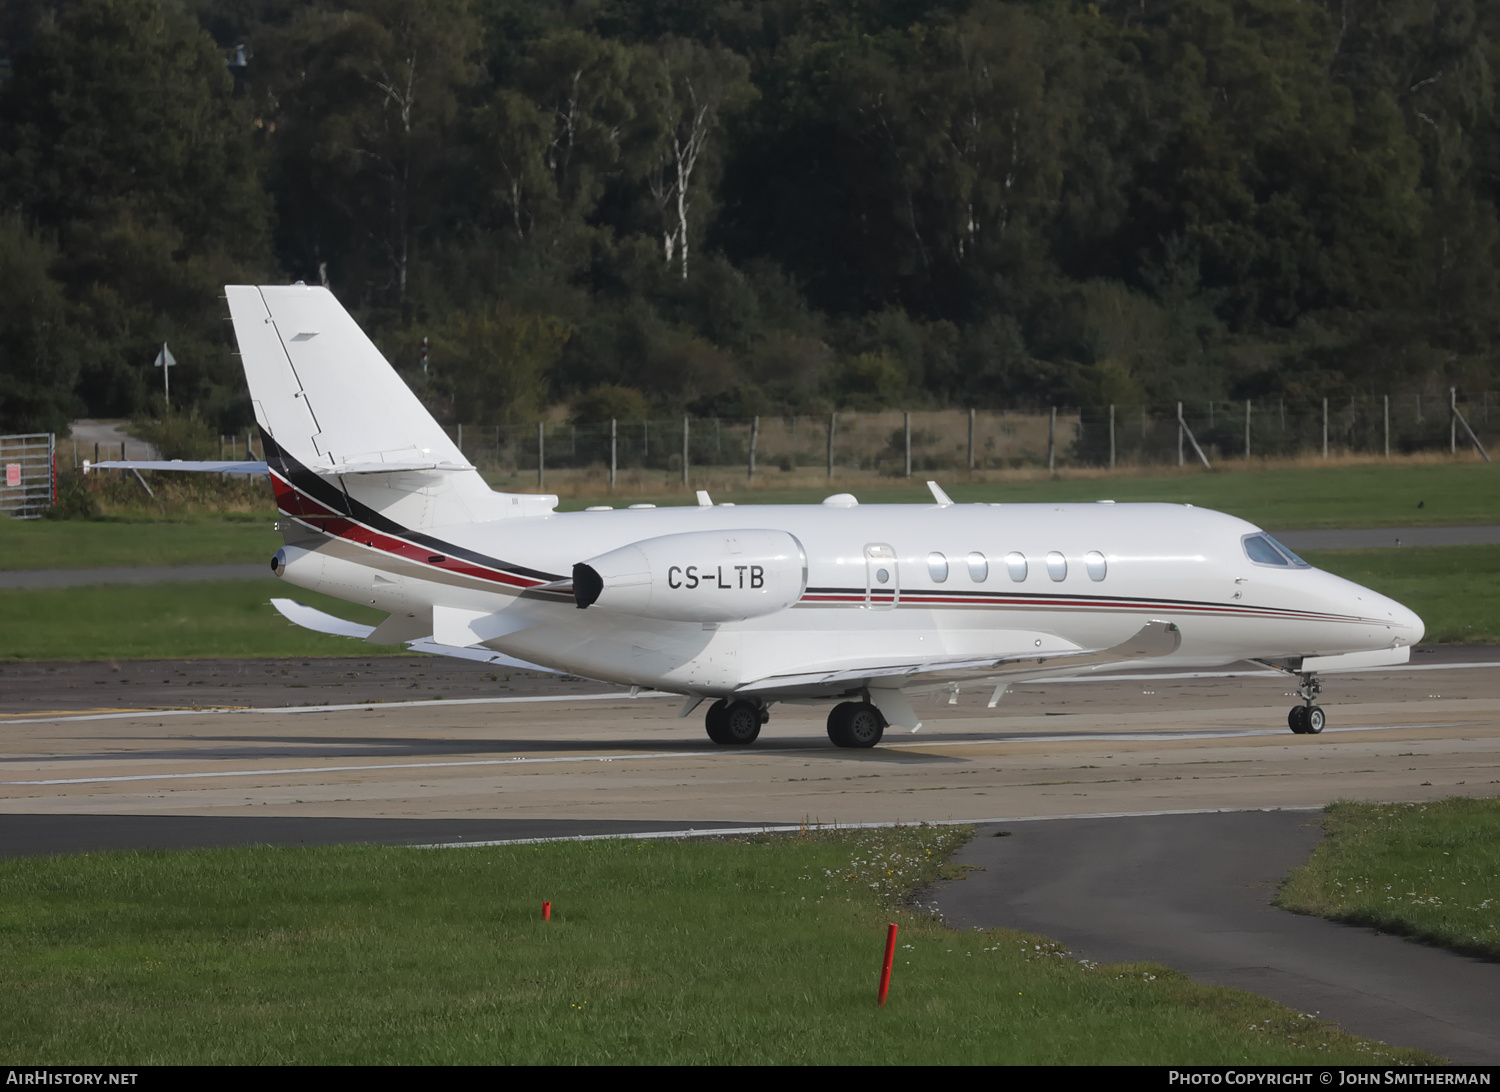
{"points": [[1455, 589], [211, 619], [84, 544], [1300, 497], [748, 952], [1426, 871]]}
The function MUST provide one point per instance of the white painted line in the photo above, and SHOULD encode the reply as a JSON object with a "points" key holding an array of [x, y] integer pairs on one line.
{"points": [[517, 761], [790, 828], [1109, 737], [765, 752], [368, 706], [1390, 669]]}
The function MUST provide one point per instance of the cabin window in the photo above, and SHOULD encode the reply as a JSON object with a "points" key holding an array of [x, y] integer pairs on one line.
{"points": [[1096, 565], [1057, 566], [1258, 548], [937, 567], [979, 567], [1293, 558], [1015, 564]]}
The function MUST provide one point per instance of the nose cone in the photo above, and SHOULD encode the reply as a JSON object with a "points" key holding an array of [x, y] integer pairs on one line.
{"points": [[1408, 620]]}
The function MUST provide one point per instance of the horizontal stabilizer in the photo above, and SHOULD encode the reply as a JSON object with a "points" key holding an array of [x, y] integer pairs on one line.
{"points": [[322, 622], [197, 466]]}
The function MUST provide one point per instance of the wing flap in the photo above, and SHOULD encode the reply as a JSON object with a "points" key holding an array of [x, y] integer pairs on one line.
{"points": [[1152, 640]]}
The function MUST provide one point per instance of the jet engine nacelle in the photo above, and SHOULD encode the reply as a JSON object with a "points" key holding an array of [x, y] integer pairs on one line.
{"points": [[699, 576]]}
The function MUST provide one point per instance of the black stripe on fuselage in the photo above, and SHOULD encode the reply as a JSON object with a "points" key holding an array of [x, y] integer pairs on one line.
{"points": [[337, 498]]}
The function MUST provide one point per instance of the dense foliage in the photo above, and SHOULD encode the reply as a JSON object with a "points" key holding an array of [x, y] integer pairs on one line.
{"points": [[755, 205]]}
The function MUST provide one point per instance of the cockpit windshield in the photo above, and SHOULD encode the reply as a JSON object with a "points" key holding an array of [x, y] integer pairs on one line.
{"points": [[1265, 550]]}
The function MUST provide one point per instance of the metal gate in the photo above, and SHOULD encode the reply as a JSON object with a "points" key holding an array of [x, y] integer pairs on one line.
{"points": [[29, 464]]}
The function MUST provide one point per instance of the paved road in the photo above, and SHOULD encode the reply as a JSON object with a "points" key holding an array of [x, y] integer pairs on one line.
{"points": [[1194, 892]]}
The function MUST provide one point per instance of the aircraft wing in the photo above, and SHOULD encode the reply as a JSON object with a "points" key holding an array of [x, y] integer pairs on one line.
{"points": [[311, 618], [1152, 640]]}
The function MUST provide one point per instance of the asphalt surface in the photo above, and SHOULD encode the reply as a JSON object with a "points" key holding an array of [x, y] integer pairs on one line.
{"points": [[1194, 892], [1189, 891]]}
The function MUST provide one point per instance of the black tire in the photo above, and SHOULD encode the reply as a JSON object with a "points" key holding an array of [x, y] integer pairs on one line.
{"points": [[713, 720], [1314, 721], [742, 721], [855, 724], [1296, 719]]}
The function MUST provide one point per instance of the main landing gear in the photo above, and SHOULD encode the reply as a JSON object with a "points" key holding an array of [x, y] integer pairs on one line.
{"points": [[738, 723], [855, 724], [735, 723], [1307, 719]]}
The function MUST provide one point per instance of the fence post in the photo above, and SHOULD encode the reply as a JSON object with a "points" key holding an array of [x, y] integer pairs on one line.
{"points": [[1180, 427], [460, 439], [540, 451], [832, 421], [1111, 435], [971, 441], [1325, 428], [684, 450], [906, 424], [1387, 425], [1247, 429], [754, 436], [612, 462], [1052, 440], [1452, 420]]}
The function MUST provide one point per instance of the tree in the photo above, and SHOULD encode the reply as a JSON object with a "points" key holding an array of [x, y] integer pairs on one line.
{"points": [[705, 84], [39, 346], [364, 99]]}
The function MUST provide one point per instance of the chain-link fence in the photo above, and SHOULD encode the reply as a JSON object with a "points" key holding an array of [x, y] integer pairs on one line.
{"points": [[895, 444]]}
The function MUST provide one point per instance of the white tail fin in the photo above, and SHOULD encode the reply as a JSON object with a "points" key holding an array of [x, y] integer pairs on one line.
{"points": [[333, 405]]}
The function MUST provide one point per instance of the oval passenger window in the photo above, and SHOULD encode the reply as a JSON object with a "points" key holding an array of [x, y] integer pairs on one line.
{"points": [[1096, 564], [1015, 563], [1057, 566], [979, 567], [937, 567]]}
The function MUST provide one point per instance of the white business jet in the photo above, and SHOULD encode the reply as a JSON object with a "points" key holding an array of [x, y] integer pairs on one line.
{"points": [[863, 606]]}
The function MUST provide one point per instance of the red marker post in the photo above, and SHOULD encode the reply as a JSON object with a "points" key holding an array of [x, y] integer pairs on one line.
{"points": [[546, 911], [890, 954]]}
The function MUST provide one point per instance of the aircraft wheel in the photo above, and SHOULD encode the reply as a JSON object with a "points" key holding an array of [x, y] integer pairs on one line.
{"points": [[714, 721], [855, 724], [1314, 720], [742, 721], [1296, 719]]}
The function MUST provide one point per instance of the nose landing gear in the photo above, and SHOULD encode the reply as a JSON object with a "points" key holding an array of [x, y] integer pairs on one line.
{"points": [[1307, 719]]}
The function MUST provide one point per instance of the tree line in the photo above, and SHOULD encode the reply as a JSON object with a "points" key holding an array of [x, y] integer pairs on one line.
{"points": [[754, 206]]}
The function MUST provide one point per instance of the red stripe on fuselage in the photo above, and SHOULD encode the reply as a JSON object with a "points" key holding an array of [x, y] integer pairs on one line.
{"points": [[293, 502]]}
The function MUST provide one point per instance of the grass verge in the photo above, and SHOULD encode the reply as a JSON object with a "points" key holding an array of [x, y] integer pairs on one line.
{"points": [[748, 951], [1276, 497], [84, 544], [211, 619], [1455, 589], [1427, 871]]}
